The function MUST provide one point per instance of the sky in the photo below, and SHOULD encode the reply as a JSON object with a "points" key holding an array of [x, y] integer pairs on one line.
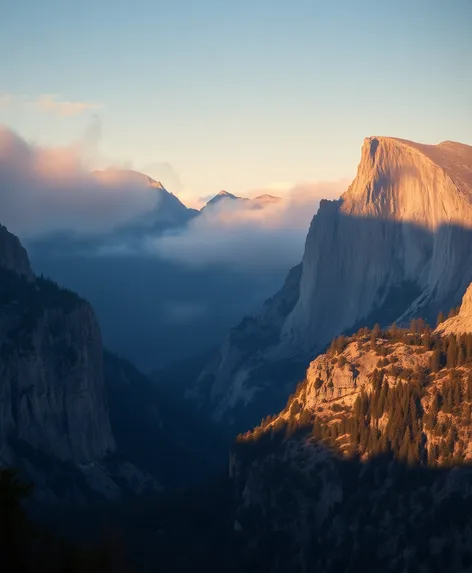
{"points": [[237, 95]]}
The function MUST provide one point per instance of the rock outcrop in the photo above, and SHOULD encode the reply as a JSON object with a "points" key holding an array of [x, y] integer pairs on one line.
{"points": [[394, 246], [368, 465], [462, 322], [13, 255]]}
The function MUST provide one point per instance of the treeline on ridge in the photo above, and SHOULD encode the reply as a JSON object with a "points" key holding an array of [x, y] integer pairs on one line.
{"points": [[390, 419]]}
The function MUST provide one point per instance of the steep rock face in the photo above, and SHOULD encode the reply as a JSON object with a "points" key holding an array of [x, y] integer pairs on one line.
{"points": [[54, 417], [13, 255], [395, 245], [53, 393], [405, 220], [461, 323], [228, 381]]}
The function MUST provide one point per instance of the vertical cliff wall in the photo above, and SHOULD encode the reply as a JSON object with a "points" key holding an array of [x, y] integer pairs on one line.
{"points": [[54, 420], [394, 246]]}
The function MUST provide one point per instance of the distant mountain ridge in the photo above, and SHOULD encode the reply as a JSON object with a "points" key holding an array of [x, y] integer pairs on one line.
{"points": [[225, 198]]}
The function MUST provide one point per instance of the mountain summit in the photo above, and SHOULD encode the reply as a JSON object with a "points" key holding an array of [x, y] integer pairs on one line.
{"points": [[223, 196], [168, 212], [394, 246], [258, 202]]}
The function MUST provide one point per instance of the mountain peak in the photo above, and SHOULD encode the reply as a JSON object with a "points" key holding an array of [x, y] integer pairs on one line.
{"points": [[452, 158], [267, 197], [222, 195], [112, 175]]}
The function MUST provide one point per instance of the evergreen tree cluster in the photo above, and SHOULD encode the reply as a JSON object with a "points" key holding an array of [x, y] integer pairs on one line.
{"points": [[25, 301], [390, 419]]}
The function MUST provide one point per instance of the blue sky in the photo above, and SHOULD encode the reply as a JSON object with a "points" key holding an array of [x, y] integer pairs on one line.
{"points": [[236, 95]]}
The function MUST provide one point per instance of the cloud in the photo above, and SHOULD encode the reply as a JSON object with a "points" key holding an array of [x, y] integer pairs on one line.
{"points": [[62, 108], [5, 99], [233, 233], [49, 103], [51, 189]]}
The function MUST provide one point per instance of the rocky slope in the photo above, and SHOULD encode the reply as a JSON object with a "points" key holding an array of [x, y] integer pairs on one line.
{"points": [[368, 466], [462, 322], [395, 245], [54, 416]]}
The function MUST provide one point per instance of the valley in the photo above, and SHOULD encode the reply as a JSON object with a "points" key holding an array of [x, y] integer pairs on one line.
{"points": [[335, 417]]}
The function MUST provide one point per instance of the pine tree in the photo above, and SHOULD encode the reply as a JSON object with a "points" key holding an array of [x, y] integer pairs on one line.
{"points": [[405, 445], [441, 318], [433, 454], [451, 438], [413, 414], [316, 431], [469, 347], [452, 352], [434, 409], [373, 339], [421, 325], [456, 396], [412, 455], [426, 340], [332, 348], [435, 361], [447, 402]]}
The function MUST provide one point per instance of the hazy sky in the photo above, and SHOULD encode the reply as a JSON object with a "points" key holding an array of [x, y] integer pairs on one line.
{"points": [[236, 95]]}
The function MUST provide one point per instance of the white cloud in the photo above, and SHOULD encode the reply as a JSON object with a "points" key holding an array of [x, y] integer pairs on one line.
{"points": [[233, 233], [50, 189], [49, 103], [63, 108], [5, 99]]}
